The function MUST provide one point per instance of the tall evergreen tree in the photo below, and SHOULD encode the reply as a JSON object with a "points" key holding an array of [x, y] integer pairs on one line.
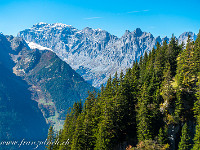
{"points": [[197, 53], [172, 53], [69, 126], [186, 80], [57, 141], [167, 92], [50, 139], [143, 118], [184, 144], [162, 136], [196, 139], [78, 140]]}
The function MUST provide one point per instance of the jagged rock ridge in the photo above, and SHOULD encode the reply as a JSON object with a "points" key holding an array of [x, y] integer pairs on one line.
{"points": [[93, 53]]}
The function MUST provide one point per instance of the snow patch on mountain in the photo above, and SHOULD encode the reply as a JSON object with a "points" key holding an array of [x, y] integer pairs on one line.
{"points": [[33, 45]]}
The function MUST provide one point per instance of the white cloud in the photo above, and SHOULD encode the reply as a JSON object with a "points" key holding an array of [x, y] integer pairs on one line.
{"points": [[92, 18]]}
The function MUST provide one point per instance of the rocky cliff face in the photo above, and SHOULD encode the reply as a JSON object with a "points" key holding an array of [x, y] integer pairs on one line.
{"points": [[93, 53], [184, 37]]}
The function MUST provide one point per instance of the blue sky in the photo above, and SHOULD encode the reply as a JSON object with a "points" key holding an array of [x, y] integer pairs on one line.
{"points": [[155, 16]]}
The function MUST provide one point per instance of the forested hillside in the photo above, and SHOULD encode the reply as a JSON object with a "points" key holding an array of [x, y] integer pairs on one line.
{"points": [[155, 105]]}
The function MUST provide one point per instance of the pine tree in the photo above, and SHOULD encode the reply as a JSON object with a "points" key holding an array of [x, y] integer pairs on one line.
{"points": [[143, 118], [186, 71], [78, 139], [50, 139], [162, 136], [159, 61], [89, 122], [197, 53], [184, 144], [57, 141], [167, 92], [70, 125], [172, 53], [115, 83], [197, 116], [197, 102], [186, 82], [105, 134], [196, 139]]}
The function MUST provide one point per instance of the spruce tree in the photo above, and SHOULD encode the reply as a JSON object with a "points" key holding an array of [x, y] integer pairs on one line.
{"points": [[197, 102], [50, 139], [57, 140], [196, 139], [70, 125], [78, 140], [184, 144], [172, 53], [143, 117], [186, 71], [167, 91], [161, 137], [197, 53], [186, 79]]}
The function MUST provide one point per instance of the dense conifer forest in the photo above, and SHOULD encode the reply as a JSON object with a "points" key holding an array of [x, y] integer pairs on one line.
{"points": [[154, 106]]}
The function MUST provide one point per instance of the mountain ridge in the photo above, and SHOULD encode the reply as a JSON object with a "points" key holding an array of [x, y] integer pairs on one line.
{"points": [[53, 84], [93, 53]]}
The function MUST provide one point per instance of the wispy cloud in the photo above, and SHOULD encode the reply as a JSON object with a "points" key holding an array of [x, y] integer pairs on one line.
{"points": [[92, 18], [137, 11]]}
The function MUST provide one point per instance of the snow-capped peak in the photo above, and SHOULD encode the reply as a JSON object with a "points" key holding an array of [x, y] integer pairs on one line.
{"points": [[56, 26], [99, 29], [60, 25], [41, 23]]}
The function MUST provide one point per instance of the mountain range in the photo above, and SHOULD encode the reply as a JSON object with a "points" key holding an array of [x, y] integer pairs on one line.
{"points": [[95, 53]]}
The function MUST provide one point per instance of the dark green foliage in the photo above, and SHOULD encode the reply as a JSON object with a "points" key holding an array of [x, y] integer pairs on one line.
{"points": [[184, 144], [186, 78], [143, 117], [197, 115], [162, 136], [196, 139], [172, 53]]}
